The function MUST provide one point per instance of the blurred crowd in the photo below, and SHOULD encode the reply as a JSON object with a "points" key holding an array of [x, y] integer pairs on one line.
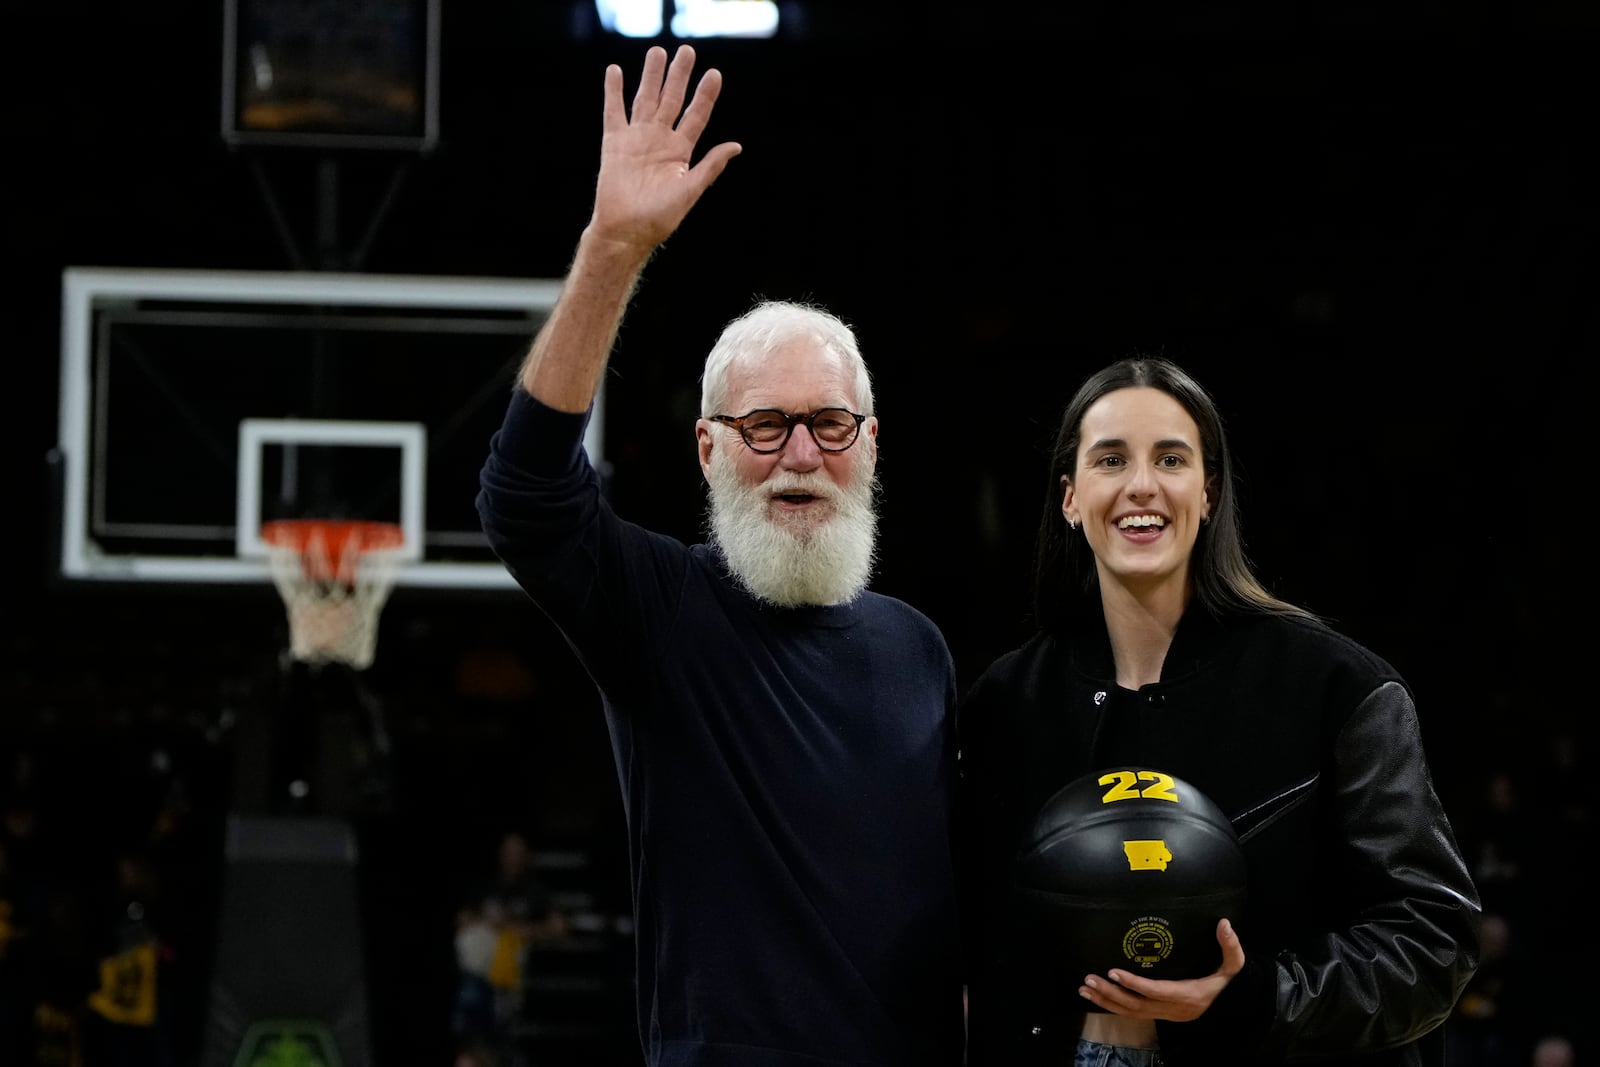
{"points": [[1525, 835], [107, 893]]}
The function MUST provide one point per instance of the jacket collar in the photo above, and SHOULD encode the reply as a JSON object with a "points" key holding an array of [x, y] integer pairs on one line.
{"points": [[1083, 633]]}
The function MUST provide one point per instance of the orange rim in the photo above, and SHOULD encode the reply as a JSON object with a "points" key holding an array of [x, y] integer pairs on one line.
{"points": [[331, 544]]}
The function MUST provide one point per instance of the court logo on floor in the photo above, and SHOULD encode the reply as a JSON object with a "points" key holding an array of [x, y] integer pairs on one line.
{"points": [[287, 1043]]}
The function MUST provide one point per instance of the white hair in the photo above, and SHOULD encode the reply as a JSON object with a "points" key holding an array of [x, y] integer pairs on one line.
{"points": [[763, 330]]}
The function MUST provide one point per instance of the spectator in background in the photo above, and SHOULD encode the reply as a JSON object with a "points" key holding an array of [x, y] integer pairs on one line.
{"points": [[498, 922], [48, 953], [516, 898], [127, 1023], [477, 1054], [1554, 1051], [14, 922], [1560, 839], [1496, 837], [1489, 1026], [27, 865], [61, 970]]}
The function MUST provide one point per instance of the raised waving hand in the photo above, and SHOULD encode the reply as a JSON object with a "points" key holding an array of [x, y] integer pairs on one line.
{"points": [[648, 180]]}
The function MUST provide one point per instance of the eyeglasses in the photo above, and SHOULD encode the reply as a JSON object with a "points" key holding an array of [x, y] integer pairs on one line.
{"points": [[768, 430]]}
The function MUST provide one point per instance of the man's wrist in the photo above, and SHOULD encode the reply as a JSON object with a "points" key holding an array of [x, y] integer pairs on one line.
{"points": [[611, 253]]}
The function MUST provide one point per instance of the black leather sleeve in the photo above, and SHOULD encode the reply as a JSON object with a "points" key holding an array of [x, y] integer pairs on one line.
{"points": [[1393, 972]]}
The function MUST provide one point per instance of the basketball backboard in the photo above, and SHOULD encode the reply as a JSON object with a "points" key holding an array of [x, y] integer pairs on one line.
{"points": [[197, 405], [331, 76]]}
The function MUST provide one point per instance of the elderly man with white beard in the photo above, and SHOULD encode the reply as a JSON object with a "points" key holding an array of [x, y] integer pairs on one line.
{"points": [[783, 735], [792, 515]]}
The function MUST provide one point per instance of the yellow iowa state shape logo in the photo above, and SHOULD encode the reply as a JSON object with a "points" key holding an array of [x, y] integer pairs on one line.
{"points": [[1147, 855]]}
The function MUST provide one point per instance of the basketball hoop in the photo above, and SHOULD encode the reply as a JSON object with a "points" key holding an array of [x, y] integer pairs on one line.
{"points": [[334, 576]]}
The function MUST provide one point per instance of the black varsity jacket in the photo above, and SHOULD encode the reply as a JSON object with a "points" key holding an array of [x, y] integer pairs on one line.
{"points": [[1361, 926]]}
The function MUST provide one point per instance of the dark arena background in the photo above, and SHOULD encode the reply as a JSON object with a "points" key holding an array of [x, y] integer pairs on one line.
{"points": [[1370, 228]]}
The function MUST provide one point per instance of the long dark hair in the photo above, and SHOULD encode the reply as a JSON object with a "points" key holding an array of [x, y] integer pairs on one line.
{"points": [[1064, 571]]}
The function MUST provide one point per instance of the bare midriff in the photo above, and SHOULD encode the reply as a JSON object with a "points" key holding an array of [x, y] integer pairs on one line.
{"points": [[1117, 1030]]}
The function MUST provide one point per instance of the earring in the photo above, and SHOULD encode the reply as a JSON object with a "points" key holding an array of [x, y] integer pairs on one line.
{"points": [[1072, 525]]}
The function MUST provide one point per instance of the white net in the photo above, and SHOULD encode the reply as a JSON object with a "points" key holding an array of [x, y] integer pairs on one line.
{"points": [[334, 579]]}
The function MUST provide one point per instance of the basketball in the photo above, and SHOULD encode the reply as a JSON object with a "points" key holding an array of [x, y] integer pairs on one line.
{"points": [[1130, 867]]}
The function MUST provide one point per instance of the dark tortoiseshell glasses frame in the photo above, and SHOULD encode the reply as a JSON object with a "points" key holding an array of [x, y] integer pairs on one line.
{"points": [[767, 430]]}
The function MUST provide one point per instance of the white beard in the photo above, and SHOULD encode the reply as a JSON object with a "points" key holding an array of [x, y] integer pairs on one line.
{"points": [[801, 561]]}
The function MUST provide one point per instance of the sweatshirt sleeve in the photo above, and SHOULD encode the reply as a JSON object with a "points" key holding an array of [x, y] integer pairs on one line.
{"points": [[609, 585]]}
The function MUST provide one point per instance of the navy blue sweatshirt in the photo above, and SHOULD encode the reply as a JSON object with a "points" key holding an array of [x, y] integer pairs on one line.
{"points": [[788, 777]]}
